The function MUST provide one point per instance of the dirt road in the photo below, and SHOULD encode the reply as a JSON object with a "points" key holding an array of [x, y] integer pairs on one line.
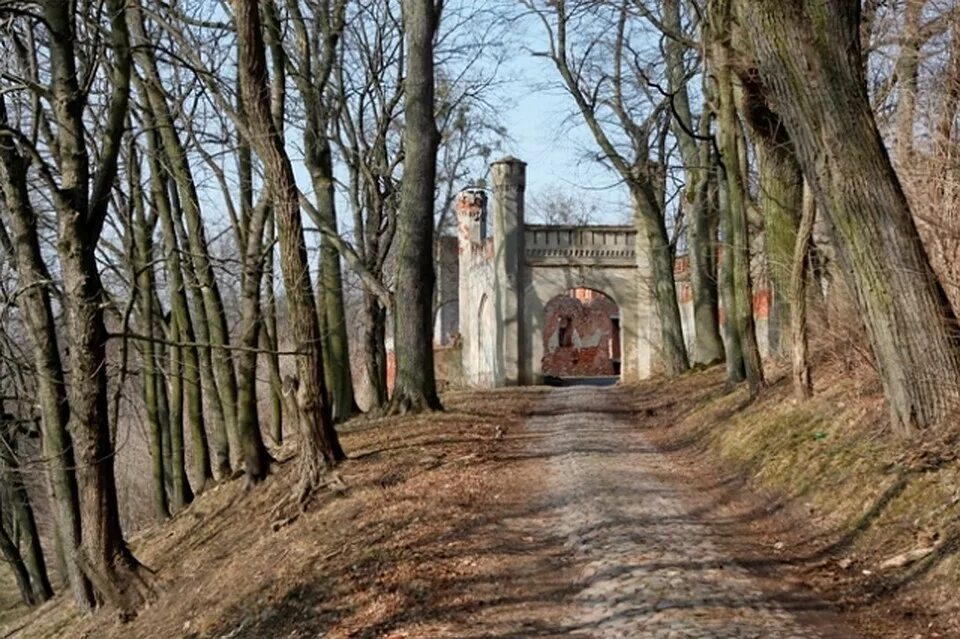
{"points": [[649, 554]]}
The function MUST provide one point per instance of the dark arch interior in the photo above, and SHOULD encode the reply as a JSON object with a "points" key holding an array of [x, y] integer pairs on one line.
{"points": [[581, 338]]}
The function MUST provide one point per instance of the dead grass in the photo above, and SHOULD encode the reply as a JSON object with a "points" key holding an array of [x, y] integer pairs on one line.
{"points": [[356, 561], [417, 543], [858, 494]]}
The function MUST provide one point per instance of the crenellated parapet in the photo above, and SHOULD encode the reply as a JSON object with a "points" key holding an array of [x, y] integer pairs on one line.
{"points": [[554, 245]]}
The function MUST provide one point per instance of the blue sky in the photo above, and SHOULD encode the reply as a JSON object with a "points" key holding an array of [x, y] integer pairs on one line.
{"points": [[551, 138]]}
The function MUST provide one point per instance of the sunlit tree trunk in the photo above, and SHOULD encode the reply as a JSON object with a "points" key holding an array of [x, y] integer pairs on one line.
{"points": [[415, 388], [103, 555], [802, 379], [736, 212], [319, 444], [911, 326], [35, 282], [184, 374], [142, 262], [701, 217], [178, 165]]}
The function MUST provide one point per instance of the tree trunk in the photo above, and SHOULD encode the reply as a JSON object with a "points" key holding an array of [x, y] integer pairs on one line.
{"points": [[911, 326], [319, 444], [11, 555], [907, 71], [35, 282], [374, 348], [781, 200], [951, 99], [270, 339], [736, 371], [317, 56], [332, 307], [32, 557], [254, 454], [802, 381], [142, 262], [738, 240], [702, 239], [650, 222], [189, 367], [163, 403], [708, 345], [189, 203], [415, 388], [103, 554], [181, 495]]}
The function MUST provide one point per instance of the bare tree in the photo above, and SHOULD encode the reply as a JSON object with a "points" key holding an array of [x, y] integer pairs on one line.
{"points": [[911, 326], [590, 44], [416, 388], [319, 444]]}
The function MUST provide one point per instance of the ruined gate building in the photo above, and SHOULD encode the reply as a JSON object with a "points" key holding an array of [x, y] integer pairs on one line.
{"points": [[507, 277], [510, 270]]}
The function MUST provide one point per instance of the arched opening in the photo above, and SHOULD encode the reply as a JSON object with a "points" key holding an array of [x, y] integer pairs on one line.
{"points": [[581, 338], [485, 344]]}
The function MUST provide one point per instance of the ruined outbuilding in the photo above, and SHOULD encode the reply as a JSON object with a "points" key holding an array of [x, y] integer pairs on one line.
{"points": [[513, 277]]}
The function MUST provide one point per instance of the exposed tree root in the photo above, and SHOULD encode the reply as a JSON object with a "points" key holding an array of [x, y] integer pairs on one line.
{"points": [[408, 402], [120, 585], [306, 489]]}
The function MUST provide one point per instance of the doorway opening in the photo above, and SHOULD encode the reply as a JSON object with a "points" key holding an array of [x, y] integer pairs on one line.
{"points": [[581, 339]]}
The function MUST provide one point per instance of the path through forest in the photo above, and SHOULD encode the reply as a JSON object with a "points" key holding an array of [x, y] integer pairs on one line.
{"points": [[524, 512], [653, 555]]}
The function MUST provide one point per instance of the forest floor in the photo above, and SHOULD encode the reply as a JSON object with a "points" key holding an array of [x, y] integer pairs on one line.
{"points": [[651, 510]]}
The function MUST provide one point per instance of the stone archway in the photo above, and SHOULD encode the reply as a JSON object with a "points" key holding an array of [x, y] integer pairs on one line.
{"points": [[520, 267], [486, 346], [581, 336]]}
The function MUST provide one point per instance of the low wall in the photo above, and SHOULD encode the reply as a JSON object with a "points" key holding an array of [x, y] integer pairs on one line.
{"points": [[447, 366]]}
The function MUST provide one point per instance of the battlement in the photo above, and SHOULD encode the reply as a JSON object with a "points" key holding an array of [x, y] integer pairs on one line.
{"points": [[547, 245]]}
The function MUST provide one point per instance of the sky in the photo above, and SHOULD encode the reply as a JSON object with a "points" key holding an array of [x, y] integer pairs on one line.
{"points": [[548, 134]]}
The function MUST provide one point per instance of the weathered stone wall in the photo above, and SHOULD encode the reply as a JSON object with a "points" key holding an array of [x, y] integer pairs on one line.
{"points": [[477, 324]]}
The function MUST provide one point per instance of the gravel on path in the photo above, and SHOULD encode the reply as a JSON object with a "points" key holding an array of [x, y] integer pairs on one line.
{"points": [[651, 559]]}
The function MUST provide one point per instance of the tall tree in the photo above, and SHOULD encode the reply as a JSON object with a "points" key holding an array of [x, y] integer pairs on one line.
{"points": [[184, 368], [35, 302], [156, 95], [317, 46], [141, 228], [693, 140], [416, 388], [29, 564], [731, 148], [319, 444], [781, 200], [911, 327], [369, 84], [82, 199]]}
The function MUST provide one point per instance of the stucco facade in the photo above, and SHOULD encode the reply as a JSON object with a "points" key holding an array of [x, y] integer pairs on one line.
{"points": [[510, 270]]}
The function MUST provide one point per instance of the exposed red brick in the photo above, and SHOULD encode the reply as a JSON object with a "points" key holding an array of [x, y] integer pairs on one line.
{"points": [[579, 338]]}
